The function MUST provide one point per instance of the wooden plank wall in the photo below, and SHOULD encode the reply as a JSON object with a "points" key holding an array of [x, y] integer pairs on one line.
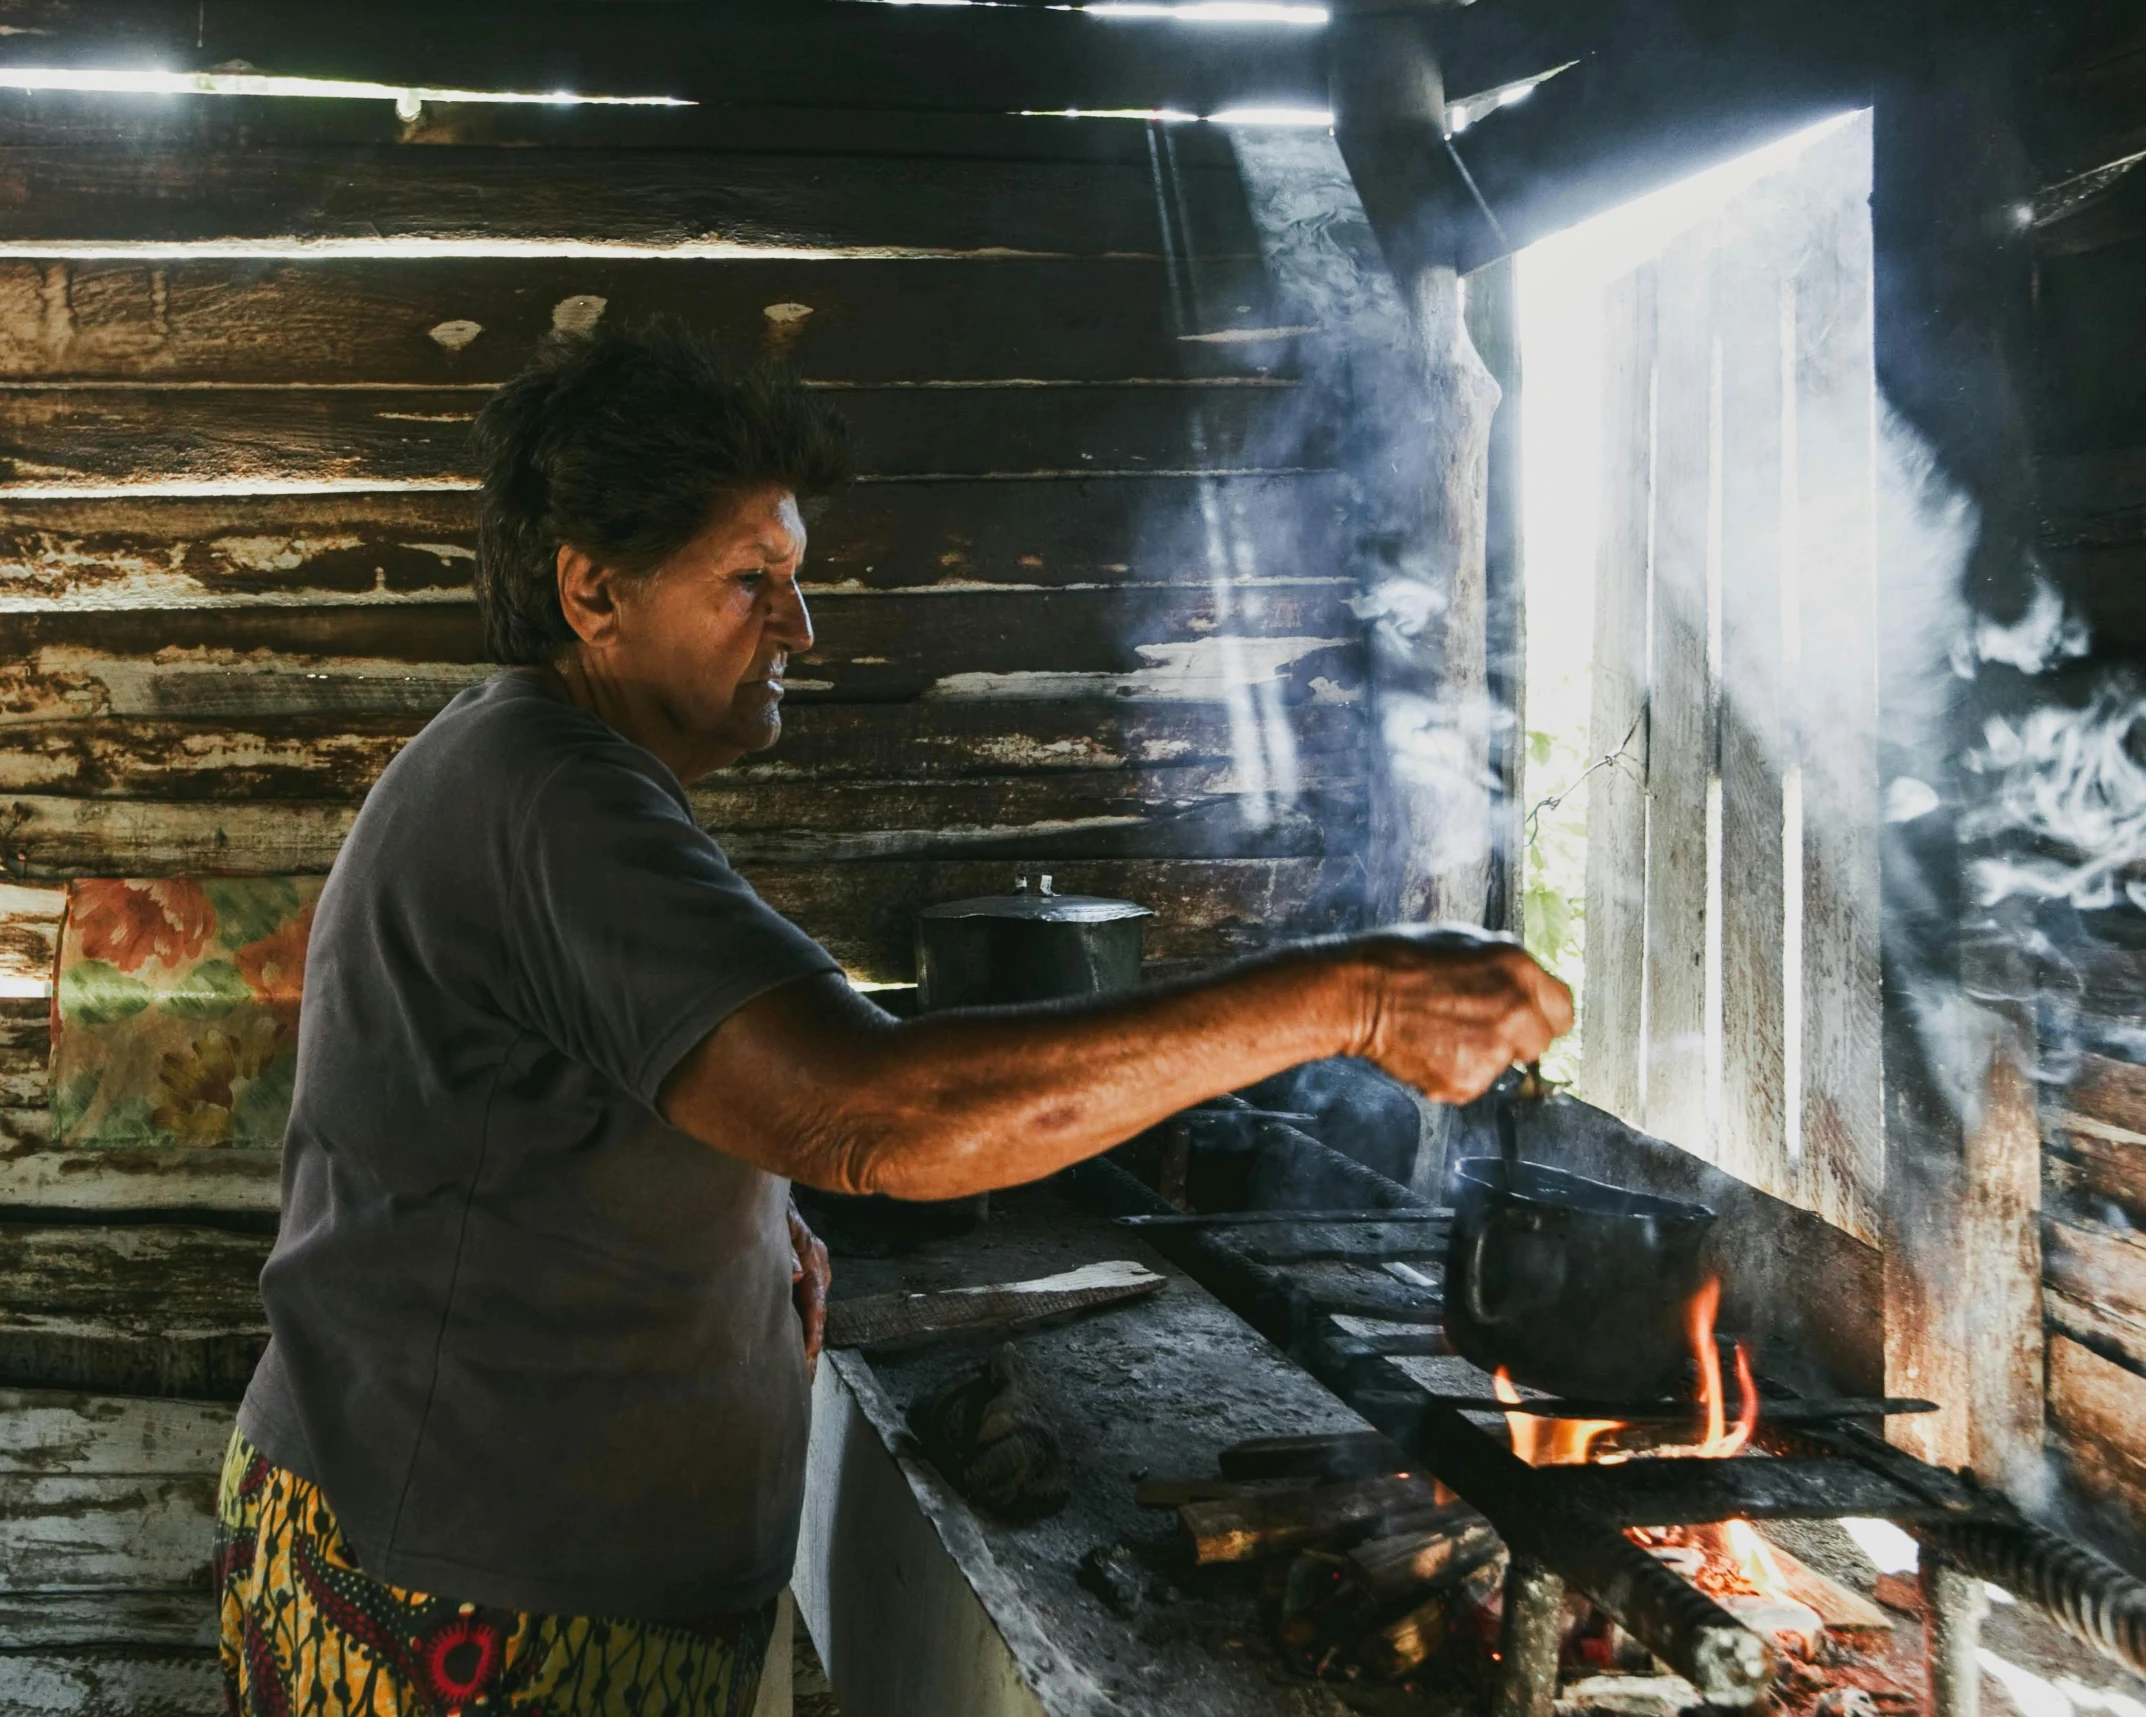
{"points": [[241, 341], [1733, 983], [2088, 410]]}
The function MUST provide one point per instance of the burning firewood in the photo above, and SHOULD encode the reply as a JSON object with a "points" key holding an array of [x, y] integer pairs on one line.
{"points": [[1407, 1642], [1397, 1566], [1242, 1528]]}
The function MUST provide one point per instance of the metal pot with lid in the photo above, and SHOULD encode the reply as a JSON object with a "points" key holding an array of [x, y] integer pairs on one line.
{"points": [[1028, 946]]}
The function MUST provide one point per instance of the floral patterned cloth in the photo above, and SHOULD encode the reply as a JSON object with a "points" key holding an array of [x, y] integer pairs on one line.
{"points": [[304, 1633], [175, 1010]]}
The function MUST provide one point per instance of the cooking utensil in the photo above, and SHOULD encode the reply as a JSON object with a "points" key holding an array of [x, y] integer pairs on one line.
{"points": [[1028, 946], [1570, 1285]]}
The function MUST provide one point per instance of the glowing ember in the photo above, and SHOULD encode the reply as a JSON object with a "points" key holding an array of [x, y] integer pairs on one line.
{"points": [[1549, 1442], [1754, 1559]]}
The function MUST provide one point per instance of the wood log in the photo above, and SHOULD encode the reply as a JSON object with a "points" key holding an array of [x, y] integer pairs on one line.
{"points": [[149, 551], [1395, 1566], [999, 1308], [1836, 1605], [356, 320], [61, 436], [1243, 1529], [352, 199], [1406, 1642], [1317, 1455]]}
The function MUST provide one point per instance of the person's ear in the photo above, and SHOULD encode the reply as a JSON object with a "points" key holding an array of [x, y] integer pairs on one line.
{"points": [[588, 596]]}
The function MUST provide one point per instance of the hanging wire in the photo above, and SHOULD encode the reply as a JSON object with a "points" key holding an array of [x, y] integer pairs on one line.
{"points": [[1467, 178]]}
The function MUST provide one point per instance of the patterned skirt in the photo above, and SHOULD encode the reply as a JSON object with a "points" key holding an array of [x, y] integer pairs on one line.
{"points": [[305, 1634]]}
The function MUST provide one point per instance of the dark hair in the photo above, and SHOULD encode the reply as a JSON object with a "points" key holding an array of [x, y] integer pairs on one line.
{"points": [[625, 443]]}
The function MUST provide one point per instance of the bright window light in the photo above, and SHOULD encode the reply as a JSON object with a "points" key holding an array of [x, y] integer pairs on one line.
{"points": [[405, 97], [1891, 1551], [1271, 116], [1210, 12], [1159, 115]]}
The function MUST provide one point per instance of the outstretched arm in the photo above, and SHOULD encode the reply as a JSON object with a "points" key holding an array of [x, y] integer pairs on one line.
{"points": [[814, 1082]]}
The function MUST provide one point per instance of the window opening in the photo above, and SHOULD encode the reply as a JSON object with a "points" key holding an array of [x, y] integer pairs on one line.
{"points": [[1700, 773]]}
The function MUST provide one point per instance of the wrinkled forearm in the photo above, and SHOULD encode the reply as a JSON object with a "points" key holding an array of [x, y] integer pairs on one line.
{"points": [[958, 1103]]}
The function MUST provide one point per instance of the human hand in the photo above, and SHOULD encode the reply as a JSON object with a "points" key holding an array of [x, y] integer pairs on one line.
{"points": [[810, 1275], [1447, 1009]]}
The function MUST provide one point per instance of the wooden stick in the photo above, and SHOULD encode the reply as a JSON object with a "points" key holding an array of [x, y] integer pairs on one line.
{"points": [[879, 1320], [1320, 1455]]}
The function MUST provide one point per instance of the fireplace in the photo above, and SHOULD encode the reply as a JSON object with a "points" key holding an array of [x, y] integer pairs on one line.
{"points": [[1632, 1520]]}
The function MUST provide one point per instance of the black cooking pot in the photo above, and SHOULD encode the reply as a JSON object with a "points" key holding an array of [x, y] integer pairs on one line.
{"points": [[1572, 1286], [1032, 945]]}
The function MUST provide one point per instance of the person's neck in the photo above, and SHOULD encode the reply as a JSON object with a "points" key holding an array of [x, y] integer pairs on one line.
{"points": [[628, 707]]}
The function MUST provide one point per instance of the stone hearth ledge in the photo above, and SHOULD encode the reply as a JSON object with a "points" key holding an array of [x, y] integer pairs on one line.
{"points": [[920, 1603]]}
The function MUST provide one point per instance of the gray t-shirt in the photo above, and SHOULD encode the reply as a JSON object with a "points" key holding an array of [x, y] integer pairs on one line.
{"points": [[536, 1347]]}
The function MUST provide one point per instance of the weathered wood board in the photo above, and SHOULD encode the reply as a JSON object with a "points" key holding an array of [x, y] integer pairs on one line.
{"points": [[272, 435], [178, 551], [1678, 857], [1206, 908], [939, 740], [1028, 58], [464, 321], [743, 205], [179, 1182], [2098, 1408], [110, 1681], [139, 1309], [372, 660], [1617, 804], [107, 1523]]}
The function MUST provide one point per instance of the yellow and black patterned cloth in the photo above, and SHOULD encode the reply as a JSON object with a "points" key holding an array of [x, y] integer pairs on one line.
{"points": [[306, 1634]]}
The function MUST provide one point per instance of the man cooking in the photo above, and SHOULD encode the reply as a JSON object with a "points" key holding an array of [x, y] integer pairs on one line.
{"points": [[530, 1432]]}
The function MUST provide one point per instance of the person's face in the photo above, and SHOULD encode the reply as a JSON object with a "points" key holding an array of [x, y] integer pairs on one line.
{"points": [[700, 643]]}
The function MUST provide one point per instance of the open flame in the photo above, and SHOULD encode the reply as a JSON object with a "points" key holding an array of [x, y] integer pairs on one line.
{"points": [[1738, 1540], [1722, 1439], [1549, 1442]]}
